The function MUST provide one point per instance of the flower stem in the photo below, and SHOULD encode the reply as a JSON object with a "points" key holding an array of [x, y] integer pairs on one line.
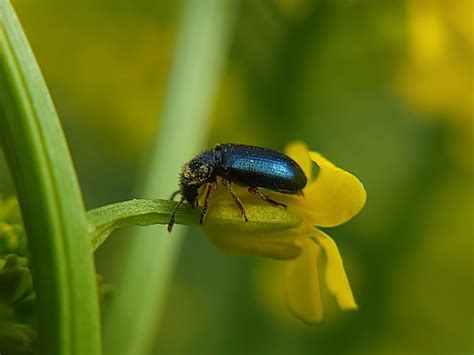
{"points": [[104, 220]]}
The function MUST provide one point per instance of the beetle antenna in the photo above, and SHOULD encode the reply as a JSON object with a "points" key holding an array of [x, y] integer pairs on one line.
{"points": [[175, 212], [174, 194]]}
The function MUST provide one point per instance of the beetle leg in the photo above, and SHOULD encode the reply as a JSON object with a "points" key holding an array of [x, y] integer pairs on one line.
{"points": [[300, 193], [175, 212], [210, 186], [228, 184], [201, 192], [256, 191]]}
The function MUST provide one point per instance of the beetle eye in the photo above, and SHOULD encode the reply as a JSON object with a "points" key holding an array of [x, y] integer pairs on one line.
{"points": [[217, 155]]}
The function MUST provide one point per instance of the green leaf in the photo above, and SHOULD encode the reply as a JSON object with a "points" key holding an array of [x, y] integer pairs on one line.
{"points": [[49, 197]]}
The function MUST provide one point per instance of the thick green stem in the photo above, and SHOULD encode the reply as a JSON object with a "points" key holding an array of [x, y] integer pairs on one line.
{"points": [[50, 199], [205, 33]]}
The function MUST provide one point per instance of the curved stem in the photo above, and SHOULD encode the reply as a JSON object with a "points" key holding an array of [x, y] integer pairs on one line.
{"points": [[50, 199], [104, 220]]}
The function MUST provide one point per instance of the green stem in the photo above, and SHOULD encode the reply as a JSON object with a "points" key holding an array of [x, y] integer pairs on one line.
{"points": [[133, 318], [50, 199], [104, 220]]}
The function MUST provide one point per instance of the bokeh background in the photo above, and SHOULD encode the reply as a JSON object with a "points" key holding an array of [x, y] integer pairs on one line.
{"points": [[383, 89]]}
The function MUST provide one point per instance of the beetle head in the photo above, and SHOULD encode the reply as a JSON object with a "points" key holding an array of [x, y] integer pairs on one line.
{"points": [[197, 172]]}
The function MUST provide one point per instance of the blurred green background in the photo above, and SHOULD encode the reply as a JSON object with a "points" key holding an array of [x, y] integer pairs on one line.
{"points": [[383, 89]]}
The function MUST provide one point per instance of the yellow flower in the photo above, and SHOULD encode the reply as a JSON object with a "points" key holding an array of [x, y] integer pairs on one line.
{"points": [[329, 199]]}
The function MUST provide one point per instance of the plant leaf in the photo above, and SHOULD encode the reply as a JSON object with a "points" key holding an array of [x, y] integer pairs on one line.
{"points": [[49, 197]]}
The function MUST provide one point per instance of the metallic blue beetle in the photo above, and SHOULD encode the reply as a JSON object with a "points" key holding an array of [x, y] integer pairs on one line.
{"points": [[244, 165]]}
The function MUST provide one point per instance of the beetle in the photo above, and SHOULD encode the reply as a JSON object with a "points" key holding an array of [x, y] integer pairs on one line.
{"points": [[245, 165]]}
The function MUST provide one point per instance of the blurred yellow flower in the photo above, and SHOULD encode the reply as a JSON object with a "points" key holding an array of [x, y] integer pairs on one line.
{"points": [[329, 199], [437, 76]]}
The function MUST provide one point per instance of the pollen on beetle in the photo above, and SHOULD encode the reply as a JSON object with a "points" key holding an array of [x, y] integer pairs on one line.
{"points": [[204, 169], [187, 176], [194, 175], [185, 170]]}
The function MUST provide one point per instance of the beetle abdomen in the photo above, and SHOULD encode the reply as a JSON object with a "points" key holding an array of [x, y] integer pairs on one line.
{"points": [[260, 167]]}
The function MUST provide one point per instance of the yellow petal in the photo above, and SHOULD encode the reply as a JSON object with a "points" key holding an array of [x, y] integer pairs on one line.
{"points": [[256, 245], [302, 283], [336, 278], [224, 215], [298, 151], [333, 198]]}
